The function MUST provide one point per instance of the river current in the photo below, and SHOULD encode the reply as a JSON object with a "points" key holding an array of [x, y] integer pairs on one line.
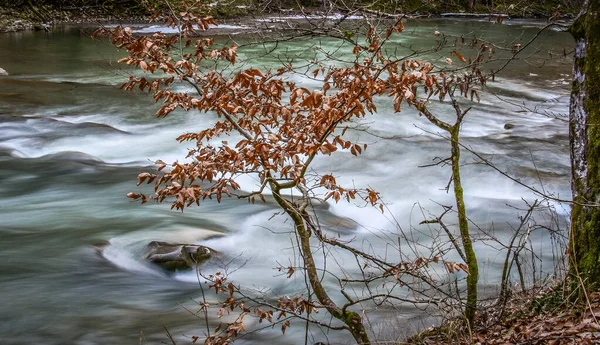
{"points": [[72, 144]]}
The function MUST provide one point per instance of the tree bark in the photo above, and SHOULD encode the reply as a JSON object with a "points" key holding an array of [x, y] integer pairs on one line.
{"points": [[463, 224], [352, 320], [584, 130]]}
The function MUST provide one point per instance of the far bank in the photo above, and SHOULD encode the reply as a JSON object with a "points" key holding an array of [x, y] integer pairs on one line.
{"points": [[20, 15]]}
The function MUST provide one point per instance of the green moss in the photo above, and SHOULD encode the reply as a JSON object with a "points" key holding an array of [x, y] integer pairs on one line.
{"points": [[349, 317], [585, 220], [463, 224], [549, 302]]}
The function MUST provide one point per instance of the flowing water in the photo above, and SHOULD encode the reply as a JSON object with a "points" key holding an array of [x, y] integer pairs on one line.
{"points": [[71, 145]]}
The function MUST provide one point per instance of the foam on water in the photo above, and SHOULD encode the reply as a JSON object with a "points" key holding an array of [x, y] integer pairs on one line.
{"points": [[125, 259], [143, 141], [169, 30], [259, 243], [334, 16]]}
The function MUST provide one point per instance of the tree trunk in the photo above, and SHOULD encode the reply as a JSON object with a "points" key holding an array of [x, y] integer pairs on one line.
{"points": [[585, 146], [463, 224], [470, 5], [352, 320]]}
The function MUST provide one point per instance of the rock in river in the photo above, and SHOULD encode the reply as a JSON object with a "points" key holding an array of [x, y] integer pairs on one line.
{"points": [[173, 256], [3, 72]]}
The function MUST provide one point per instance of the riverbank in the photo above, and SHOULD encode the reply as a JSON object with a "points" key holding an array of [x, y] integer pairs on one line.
{"points": [[536, 316], [24, 18], [43, 17]]}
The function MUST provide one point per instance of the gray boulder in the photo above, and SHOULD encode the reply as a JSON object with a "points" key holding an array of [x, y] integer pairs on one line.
{"points": [[175, 257], [3, 72]]}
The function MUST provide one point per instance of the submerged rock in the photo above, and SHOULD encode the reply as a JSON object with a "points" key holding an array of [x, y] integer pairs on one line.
{"points": [[509, 126], [3, 72], [339, 224], [173, 256], [41, 27]]}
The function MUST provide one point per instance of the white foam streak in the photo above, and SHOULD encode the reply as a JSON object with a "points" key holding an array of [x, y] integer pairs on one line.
{"points": [[335, 16], [169, 30]]}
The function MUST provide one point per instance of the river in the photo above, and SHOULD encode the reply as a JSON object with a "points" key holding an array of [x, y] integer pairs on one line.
{"points": [[72, 144]]}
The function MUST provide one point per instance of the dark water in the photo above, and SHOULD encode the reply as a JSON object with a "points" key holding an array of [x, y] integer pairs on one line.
{"points": [[72, 144]]}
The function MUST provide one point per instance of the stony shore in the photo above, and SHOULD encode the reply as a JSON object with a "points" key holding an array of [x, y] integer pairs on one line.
{"points": [[43, 18]]}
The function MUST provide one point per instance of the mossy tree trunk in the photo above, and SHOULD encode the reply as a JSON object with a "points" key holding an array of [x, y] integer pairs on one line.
{"points": [[585, 146], [352, 320], [463, 224]]}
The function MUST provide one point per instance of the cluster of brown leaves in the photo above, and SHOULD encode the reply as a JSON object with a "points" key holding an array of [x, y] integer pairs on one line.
{"points": [[420, 263], [225, 333], [282, 126], [563, 326]]}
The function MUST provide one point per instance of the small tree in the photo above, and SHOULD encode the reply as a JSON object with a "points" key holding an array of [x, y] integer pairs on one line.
{"points": [[282, 128]]}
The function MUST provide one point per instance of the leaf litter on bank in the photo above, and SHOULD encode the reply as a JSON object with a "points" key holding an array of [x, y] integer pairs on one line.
{"points": [[521, 322]]}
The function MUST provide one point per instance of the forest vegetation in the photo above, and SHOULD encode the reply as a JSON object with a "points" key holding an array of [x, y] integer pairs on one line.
{"points": [[235, 8]]}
